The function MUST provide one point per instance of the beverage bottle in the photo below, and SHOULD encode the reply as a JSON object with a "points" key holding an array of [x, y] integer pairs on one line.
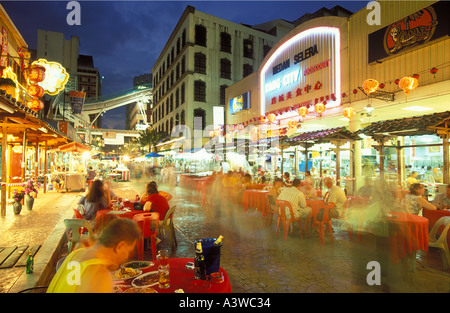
{"points": [[218, 242], [199, 262], [30, 263]]}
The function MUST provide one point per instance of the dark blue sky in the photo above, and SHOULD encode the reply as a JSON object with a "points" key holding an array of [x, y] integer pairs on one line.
{"points": [[126, 37]]}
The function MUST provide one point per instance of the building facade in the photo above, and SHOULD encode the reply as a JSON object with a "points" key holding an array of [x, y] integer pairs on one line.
{"points": [[317, 78], [137, 116], [202, 57]]}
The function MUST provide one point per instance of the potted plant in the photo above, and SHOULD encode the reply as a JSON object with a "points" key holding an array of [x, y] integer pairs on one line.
{"points": [[17, 204], [31, 191]]}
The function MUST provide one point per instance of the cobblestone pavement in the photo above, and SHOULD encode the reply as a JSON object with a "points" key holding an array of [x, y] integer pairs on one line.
{"points": [[255, 260]]}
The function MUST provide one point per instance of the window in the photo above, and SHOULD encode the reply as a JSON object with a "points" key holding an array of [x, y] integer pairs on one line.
{"points": [[199, 91], [225, 68], [225, 42], [200, 35], [202, 114], [183, 65], [183, 38], [248, 48], [182, 94], [177, 72], [200, 63], [177, 98], [222, 94], [266, 50], [177, 119], [183, 118], [248, 69], [167, 127], [171, 103], [167, 106], [171, 124]]}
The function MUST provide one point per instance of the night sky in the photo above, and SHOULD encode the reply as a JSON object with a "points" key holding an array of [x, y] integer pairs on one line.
{"points": [[126, 37]]}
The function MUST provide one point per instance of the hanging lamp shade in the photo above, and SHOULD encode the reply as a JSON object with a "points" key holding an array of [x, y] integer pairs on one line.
{"points": [[35, 90], [271, 117], [35, 104]]}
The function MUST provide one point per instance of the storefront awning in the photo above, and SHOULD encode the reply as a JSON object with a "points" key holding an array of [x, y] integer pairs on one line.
{"points": [[74, 147], [410, 126], [320, 136]]}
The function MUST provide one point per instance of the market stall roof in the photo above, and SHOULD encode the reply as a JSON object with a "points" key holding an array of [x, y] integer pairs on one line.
{"points": [[327, 135], [409, 126], [74, 147]]}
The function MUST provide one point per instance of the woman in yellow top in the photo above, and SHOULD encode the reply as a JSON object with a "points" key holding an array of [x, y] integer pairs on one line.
{"points": [[89, 270]]}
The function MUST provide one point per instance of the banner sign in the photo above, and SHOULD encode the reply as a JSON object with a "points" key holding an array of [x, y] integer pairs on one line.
{"points": [[240, 103], [4, 58], [77, 101], [416, 29]]}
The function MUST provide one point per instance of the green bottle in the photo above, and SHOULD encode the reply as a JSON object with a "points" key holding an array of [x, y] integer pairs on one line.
{"points": [[30, 263]]}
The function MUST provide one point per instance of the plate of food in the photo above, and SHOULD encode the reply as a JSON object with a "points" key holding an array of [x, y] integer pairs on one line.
{"points": [[140, 290], [125, 273], [120, 288], [138, 264], [146, 280]]}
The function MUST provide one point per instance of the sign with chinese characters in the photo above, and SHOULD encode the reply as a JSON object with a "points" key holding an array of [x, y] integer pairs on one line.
{"points": [[303, 71], [416, 29], [240, 103], [4, 57]]}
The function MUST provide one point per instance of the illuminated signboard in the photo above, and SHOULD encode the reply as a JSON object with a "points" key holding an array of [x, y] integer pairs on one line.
{"points": [[56, 76], [304, 70], [240, 103]]}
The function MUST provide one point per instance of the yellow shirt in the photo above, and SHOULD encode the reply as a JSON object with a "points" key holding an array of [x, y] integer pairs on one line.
{"points": [[71, 276]]}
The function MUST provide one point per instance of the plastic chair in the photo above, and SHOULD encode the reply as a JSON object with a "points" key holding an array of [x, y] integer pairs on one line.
{"points": [[75, 225], [326, 220], [145, 221], [167, 224], [282, 218], [344, 218], [441, 242], [273, 209]]}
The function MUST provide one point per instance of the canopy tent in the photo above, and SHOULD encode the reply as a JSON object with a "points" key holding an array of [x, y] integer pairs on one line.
{"points": [[154, 155]]}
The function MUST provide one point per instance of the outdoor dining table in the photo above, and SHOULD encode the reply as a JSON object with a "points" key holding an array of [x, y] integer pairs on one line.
{"points": [[408, 233], [102, 215], [183, 278], [256, 198]]}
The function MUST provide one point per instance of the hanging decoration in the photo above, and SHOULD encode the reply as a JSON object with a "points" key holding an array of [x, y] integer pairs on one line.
{"points": [[271, 117], [434, 70], [370, 85], [303, 111], [319, 108], [349, 112], [408, 83]]}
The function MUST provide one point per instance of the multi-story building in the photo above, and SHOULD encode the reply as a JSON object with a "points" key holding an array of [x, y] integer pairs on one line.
{"points": [[53, 46], [204, 55], [135, 119]]}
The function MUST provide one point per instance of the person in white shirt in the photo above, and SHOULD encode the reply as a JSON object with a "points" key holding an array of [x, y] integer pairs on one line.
{"points": [[308, 189], [336, 195], [297, 200]]}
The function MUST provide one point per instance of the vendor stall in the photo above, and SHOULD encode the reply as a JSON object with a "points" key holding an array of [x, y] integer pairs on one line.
{"points": [[76, 155]]}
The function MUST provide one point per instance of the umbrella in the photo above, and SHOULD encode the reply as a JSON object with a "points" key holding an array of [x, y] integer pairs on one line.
{"points": [[154, 155]]}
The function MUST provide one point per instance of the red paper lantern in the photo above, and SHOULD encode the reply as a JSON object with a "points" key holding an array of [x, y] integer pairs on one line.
{"points": [[344, 95], [36, 73], [382, 85], [355, 91], [35, 104], [35, 91], [416, 76], [349, 112], [434, 70], [262, 119]]}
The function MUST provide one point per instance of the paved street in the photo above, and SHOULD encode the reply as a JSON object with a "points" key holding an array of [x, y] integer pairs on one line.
{"points": [[252, 256]]}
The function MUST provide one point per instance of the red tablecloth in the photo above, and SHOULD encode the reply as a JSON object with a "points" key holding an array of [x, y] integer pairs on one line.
{"points": [[182, 278], [256, 198], [102, 215], [408, 233]]}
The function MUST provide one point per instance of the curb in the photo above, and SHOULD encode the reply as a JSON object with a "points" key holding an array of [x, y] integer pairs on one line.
{"points": [[46, 258]]}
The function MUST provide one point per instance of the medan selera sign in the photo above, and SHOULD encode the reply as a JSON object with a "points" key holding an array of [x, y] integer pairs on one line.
{"points": [[303, 71]]}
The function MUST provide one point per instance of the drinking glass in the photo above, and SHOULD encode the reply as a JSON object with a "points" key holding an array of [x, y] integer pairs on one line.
{"points": [[163, 257], [164, 277]]}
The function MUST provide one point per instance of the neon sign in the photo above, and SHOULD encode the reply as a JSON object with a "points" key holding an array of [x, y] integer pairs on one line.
{"points": [[317, 61], [56, 76]]}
